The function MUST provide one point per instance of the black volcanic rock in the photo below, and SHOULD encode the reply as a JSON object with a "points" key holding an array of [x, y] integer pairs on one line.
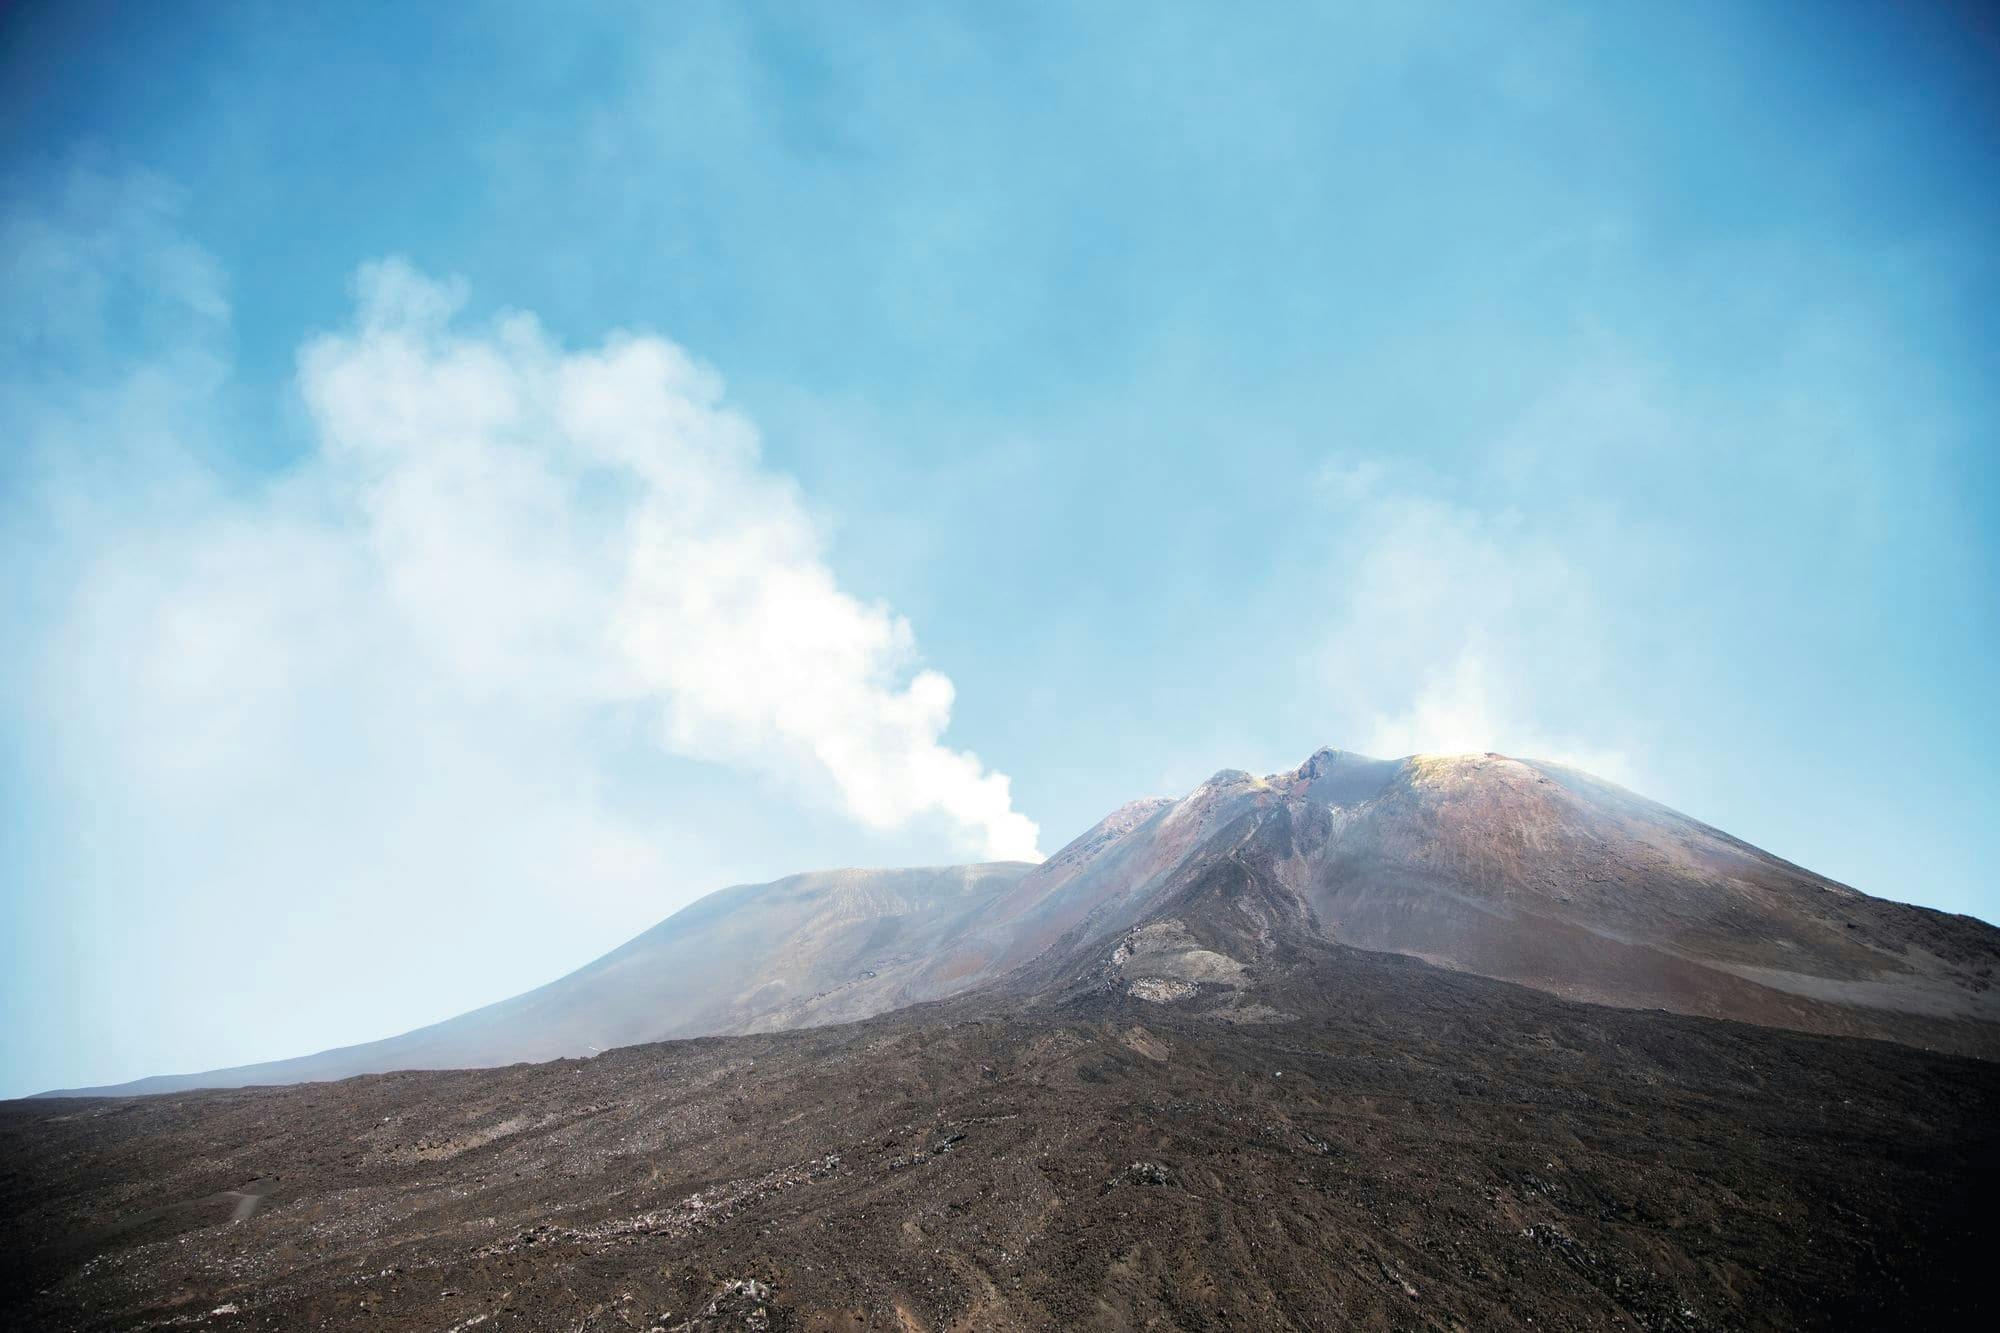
{"points": [[1346, 1139], [1189, 1105]]}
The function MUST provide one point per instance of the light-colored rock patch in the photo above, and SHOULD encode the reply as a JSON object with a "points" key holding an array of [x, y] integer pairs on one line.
{"points": [[1162, 962]]}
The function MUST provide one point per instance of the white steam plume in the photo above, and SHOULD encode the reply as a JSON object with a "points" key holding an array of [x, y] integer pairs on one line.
{"points": [[597, 528]]}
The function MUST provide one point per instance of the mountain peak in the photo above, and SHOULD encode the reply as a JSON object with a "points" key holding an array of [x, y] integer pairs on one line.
{"points": [[1327, 758], [1477, 862], [1337, 777]]}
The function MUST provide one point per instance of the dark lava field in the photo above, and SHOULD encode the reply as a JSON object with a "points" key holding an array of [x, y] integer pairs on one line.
{"points": [[1360, 1141]]}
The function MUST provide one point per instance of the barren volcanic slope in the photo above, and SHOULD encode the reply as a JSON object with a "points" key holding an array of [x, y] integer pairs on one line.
{"points": [[807, 949], [1332, 1139], [1169, 1097], [1525, 871]]}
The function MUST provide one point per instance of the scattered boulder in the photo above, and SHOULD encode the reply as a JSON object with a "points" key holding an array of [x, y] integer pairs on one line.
{"points": [[1143, 1173], [742, 1306]]}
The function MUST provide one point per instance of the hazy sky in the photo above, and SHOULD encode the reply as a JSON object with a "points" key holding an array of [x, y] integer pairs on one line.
{"points": [[474, 477]]}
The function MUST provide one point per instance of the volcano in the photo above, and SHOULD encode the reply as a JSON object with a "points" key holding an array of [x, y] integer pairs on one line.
{"points": [[1519, 870], [1440, 1042]]}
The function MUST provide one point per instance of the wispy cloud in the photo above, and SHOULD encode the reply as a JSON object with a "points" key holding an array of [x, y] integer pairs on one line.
{"points": [[1455, 626]]}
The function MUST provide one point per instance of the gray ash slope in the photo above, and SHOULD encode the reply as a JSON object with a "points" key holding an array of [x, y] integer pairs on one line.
{"points": [[1195, 1113], [814, 948], [1519, 870]]}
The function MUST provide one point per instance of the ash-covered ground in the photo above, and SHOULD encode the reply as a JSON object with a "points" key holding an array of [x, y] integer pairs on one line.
{"points": [[1358, 1141]]}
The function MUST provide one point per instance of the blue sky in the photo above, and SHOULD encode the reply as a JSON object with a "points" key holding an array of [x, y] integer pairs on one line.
{"points": [[474, 480]]}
